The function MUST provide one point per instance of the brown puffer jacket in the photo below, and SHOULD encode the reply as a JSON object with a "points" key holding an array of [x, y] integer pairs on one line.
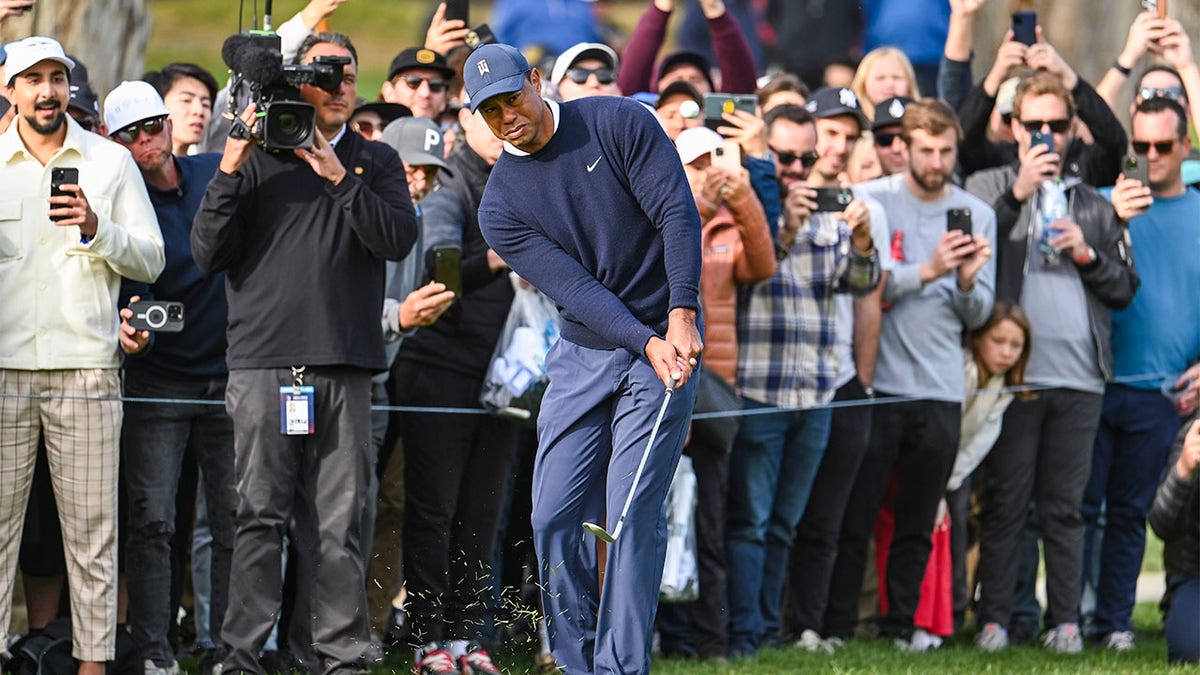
{"points": [[737, 249]]}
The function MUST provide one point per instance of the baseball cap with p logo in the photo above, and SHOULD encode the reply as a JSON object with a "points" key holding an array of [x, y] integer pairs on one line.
{"points": [[418, 141], [492, 70]]}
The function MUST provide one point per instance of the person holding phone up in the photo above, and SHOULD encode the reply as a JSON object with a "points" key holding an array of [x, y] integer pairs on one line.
{"points": [[61, 262], [1159, 334], [1044, 449]]}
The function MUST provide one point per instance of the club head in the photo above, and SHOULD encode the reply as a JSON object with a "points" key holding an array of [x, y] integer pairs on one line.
{"points": [[599, 532]]}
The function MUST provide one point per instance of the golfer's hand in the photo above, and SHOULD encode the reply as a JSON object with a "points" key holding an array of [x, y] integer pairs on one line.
{"points": [[684, 339]]}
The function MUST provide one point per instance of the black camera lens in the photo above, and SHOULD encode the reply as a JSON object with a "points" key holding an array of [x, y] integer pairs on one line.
{"points": [[288, 125], [175, 313]]}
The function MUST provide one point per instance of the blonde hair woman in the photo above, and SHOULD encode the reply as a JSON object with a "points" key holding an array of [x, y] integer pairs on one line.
{"points": [[883, 73]]}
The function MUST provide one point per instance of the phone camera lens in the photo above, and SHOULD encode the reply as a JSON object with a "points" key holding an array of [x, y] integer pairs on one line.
{"points": [[156, 317]]}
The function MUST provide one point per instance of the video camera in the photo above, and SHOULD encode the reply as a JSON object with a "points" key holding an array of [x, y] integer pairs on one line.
{"points": [[255, 61]]}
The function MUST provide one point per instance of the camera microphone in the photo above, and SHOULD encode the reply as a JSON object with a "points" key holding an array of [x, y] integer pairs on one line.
{"points": [[229, 51], [258, 64]]}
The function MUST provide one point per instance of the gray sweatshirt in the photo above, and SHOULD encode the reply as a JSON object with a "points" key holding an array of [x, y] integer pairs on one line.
{"points": [[920, 343]]}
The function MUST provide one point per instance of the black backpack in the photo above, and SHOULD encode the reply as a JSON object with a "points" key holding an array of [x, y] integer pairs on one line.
{"points": [[48, 652]]}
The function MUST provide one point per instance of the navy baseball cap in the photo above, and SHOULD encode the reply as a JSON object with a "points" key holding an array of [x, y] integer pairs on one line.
{"points": [[831, 102], [493, 69]]}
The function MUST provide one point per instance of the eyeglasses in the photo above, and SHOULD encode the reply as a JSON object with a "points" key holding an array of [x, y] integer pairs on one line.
{"points": [[581, 75], [436, 84], [1173, 93], [1056, 126], [789, 158], [1161, 147], [152, 127], [368, 128], [885, 140]]}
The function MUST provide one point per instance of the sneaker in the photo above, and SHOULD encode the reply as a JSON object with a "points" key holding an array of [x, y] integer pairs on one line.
{"points": [[152, 668], [810, 641], [1119, 641], [477, 662], [919, 643], [433, 660], [1063, 639], [992, 638], [834, 643]]}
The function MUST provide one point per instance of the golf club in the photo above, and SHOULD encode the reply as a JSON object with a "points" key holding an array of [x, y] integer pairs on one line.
{"points": [[600, 532]]}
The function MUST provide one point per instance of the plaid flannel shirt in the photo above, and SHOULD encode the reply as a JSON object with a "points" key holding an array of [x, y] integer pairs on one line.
{"points": [[787, 355]]}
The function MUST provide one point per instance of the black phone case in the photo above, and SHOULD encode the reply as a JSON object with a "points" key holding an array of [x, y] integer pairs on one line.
{"points": [[833, 199], [62, 176], [1024, 27]]}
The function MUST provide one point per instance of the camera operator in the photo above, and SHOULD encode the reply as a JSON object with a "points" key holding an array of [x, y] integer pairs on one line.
{"points": [[301, 237]]}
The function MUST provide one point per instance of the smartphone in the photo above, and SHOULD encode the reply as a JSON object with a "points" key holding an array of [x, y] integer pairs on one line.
{"points": [[1039, 138], [158, 316], [457, 9], [60, 176], [727, 155], [1159, 7], [480, 35], [447, 268], [833, 198], [1137, 169], [717, 104], [1024, 27], [959, 219]]}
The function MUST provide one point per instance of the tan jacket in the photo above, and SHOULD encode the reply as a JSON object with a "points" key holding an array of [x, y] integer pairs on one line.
{"points": [[737, 249]]}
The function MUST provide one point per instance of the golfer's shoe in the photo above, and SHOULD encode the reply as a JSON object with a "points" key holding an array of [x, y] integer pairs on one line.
{"points": [[477, 662], [992, 637], [1063, 639], [433, 660]]}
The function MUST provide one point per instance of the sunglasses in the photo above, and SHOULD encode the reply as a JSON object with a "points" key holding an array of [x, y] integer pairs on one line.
{"points": [[581, 75], [1161, 147], [367, 127], [436, 84], [1056, 126], [152, 127], [1173, 93], [789, 158], [88, 123], [885, 140]]}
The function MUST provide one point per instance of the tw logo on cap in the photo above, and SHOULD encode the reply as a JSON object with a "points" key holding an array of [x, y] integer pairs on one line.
{"points": [[483, 68]]}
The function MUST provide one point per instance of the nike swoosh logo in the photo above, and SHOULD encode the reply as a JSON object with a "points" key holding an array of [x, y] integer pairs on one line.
{"points": [[593, 166]]}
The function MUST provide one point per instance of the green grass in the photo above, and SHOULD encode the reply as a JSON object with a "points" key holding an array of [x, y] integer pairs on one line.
{"points": [[879, 656]]}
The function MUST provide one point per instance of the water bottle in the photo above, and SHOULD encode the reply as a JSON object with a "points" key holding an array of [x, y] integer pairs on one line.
{"points": [[1052, 206]]}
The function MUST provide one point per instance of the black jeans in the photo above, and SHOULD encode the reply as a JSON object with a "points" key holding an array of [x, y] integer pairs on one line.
{"points": [[917, 439], [815, 550], [1044, 453], [457, 471]]}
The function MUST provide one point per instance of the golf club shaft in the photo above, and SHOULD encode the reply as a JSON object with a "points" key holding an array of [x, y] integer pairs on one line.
{"points": [[637, 477]]}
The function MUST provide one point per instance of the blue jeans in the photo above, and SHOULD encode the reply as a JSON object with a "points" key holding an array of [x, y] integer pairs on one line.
{"points": [[1136, 430], [1183, 640], [771, 470], [154, 438]]}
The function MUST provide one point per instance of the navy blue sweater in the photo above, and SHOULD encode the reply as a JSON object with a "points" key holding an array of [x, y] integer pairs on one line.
{"points": [[199, 350], [617, 246]]}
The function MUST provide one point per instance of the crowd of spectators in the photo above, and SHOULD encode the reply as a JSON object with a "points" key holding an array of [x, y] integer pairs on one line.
{"points": [[944, 315]]}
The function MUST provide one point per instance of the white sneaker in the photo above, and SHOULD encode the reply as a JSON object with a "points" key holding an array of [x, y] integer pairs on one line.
{"points": [[810, 641], [152, 668], [835, 643], [1063, 639], [920, 642], [992, 638], [1119, 641]]}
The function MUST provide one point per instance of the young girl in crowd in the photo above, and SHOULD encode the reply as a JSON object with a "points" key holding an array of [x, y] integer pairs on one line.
{"points": [[883, 73], [993, 365]]}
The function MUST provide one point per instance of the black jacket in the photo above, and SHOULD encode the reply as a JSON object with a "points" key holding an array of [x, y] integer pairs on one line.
{"points": [[1097, 164], [303, 257], [1175, 515], [463, 339], [1109, 281]]}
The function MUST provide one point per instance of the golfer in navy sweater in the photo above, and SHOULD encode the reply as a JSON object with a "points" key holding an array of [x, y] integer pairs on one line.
{"points": [[589, 204]]}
